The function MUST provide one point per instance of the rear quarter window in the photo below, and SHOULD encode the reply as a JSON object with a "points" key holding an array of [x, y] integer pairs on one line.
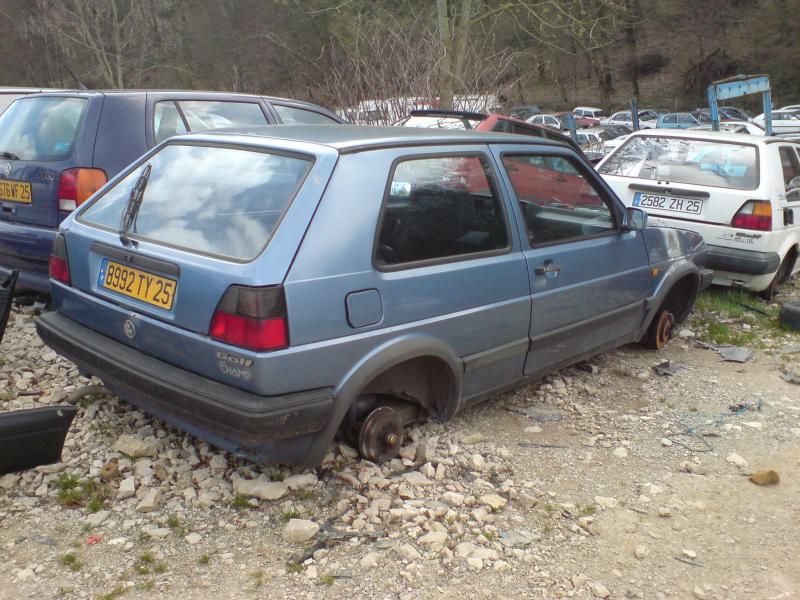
{"points": [[291, 115], [213, 200], [42, 128]]}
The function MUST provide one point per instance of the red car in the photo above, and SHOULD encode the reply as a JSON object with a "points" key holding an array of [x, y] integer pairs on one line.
{"points": [[456, 119]]}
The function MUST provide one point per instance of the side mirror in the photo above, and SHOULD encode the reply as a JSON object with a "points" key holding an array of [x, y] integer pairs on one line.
{"points": [[635, 219]]}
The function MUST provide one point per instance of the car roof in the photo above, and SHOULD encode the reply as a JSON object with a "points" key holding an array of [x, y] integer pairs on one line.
{"points": [[586, 108], [355, 138], [185, 94], [707, 135]]}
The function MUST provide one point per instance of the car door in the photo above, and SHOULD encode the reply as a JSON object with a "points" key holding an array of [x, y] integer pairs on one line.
{"points": [[588, 275], [790, 199]]}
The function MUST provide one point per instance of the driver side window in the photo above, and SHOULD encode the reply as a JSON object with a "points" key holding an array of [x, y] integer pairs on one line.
{"points": [[791, 171], [557, 202]]}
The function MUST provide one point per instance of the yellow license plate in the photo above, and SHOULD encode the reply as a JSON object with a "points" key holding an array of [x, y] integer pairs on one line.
{"points": [[15, 191], [153, 289]]}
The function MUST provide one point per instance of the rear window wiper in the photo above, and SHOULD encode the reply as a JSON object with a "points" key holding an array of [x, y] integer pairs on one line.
{"points": [[9, 155], [128, 219]]}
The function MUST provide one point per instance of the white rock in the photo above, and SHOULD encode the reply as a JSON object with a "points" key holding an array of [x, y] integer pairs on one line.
{"points": [[464, 549], [135, 447], [370, 560], [434, 539], [417, 478], [193, 538], [533, 429], [260, 488], [605, 502], [689, 553], [493, 501], [149, 502], [311, 572], [475, 563], [737, 460], [666, 442], [300, 481], [484, 553], [453, 499], [408, 552], [9, 481], [97, 518], [127, 488], [298, 531], [641, 551], [599, 590], [477, 461], [621, 452]]}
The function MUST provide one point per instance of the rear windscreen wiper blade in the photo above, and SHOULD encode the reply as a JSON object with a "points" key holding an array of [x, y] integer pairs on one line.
{"points": [[9, 155], [128, 220]]}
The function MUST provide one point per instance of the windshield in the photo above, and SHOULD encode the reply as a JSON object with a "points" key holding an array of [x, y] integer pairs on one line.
{"points": [[433, 122], [214, 200], [41, 128], [680, 160]]}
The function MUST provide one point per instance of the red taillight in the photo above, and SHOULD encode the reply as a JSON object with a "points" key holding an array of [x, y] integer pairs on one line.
{"points": [[754, 214], [75, 186], [59, 264], [252, 318]]}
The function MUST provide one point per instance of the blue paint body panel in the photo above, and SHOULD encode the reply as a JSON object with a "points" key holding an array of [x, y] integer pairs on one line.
{"points": [[480, 323]]}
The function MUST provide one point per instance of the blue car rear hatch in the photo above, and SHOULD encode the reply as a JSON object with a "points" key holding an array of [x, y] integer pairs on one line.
{"points": [[183, 256]]}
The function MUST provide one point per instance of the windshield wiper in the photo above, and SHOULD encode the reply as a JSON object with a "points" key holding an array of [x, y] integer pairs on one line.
{"points": [[128, 219], [9, 155]]}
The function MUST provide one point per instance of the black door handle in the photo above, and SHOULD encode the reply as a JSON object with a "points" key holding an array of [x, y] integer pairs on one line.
{"points": [[548, 268]]}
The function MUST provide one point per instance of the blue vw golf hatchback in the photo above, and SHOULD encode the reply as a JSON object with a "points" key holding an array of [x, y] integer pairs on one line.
{"points": [[267, 289]]}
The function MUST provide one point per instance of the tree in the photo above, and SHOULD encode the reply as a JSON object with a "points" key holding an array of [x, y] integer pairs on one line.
{"points": [[119, 40]]}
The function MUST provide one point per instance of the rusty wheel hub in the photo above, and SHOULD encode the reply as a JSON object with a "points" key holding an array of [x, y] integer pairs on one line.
{"points": [[381, 435], [663, 331]]}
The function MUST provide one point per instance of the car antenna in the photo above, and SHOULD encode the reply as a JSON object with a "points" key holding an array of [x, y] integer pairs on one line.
{"points": [[78, 81]]}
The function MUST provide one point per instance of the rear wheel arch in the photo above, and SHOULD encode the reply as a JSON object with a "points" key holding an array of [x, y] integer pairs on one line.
{"points": [[416, 368], [681, 296]]}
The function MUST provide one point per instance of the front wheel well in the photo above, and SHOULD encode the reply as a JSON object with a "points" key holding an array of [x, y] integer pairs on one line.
{"points": [[680, 298], [789, 259]]}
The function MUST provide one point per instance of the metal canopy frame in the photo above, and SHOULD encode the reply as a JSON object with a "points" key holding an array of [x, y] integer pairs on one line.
{"points": [[741, 85]]}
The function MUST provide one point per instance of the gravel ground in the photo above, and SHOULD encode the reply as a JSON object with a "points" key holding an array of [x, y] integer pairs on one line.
{"points": [[606, 480]]}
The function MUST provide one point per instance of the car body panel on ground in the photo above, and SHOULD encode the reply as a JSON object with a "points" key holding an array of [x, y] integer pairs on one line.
{"points": [[435, 267]]}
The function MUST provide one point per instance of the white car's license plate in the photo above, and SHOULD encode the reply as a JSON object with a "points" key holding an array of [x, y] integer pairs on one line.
{"points": [[670, 203]]}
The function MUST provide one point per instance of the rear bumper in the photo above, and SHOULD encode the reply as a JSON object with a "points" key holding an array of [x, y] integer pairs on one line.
{"points": [[273, 429], [27, 249], [746, 262]]}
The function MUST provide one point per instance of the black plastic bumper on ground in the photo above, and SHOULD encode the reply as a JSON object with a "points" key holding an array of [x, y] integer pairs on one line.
{"points": [[275, 429], [746, 262]]}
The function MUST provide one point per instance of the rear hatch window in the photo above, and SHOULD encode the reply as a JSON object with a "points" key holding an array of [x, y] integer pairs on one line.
{"points": [[41, 128], [683, 160], [214, 200]]}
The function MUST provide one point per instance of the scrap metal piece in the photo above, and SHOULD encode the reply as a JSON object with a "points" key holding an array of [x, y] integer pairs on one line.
{"points": [[738, 354], [33, 437], [666, 368]]}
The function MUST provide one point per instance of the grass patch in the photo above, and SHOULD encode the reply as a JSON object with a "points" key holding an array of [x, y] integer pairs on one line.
{"points": [[294, 568], [74, 492], [204, 559], [115, 593], [160, 568], [326, 580], [588, 510], [71, 561], [241, 503], [290, 513], [146, 557]]}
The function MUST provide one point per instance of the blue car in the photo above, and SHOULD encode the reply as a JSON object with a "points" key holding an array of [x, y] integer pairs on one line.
{"points": [[57, 149], [267, 290]]}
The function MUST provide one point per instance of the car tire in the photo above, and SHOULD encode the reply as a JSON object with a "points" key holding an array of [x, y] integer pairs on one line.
{"points": [[789, 315], [781, 275]]}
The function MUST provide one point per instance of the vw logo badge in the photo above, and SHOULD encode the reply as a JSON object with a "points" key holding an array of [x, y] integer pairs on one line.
{"points": [[129, 328], [6, 168]]}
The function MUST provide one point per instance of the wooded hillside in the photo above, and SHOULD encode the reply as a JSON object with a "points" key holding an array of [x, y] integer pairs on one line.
{"points": [[558, 53]]}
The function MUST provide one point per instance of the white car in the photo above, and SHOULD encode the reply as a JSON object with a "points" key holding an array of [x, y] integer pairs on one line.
{"points": [[589, 111], [545, 121], [783, 121], [648, 119], [732, 127], [611, 145], [791, 107], [740, 192]]}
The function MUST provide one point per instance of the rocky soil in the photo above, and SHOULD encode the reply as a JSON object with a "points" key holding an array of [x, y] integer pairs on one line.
{"points": [[606, 480]]}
